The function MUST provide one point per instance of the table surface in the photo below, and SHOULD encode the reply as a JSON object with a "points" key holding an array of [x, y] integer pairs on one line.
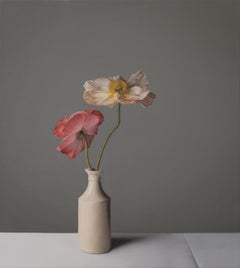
{"points": [[55, 250]]}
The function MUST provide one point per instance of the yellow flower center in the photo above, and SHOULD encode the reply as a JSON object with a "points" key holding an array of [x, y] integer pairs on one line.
{"points": [[119, 86]]}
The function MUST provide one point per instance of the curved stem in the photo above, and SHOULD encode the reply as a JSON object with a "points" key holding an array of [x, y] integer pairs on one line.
{"points": [[86, 151], [109, 135]]}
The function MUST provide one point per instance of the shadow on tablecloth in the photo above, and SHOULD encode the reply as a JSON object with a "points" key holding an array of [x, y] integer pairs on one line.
{"points": [[123, 241]]}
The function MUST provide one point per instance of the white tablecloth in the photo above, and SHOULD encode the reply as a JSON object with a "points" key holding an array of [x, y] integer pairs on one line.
{"points": [[48, 250], [215, 250]]}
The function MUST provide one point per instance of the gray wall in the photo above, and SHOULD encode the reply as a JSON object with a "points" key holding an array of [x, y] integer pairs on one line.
{"points": [[173, 167]]}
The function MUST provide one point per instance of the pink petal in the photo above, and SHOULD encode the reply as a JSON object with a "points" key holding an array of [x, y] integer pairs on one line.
{"points": [[97, 113], [58, 130], [79, 148], [91, 125], [74, 123], [71, 146], [89, 139], [92, 122]]}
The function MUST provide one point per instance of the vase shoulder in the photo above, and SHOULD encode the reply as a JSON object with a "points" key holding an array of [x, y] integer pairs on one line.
{"points": [[94, 197]]}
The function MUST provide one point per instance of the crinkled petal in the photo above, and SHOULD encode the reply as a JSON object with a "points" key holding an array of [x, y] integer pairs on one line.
{"points": [[133, 95], [148, 99], [58, 130], [100, 97], [71, 146], [138, 79], [74, 123]]}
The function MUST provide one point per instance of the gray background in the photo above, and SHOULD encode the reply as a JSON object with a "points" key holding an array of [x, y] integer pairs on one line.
{"points": [[173, 167]]}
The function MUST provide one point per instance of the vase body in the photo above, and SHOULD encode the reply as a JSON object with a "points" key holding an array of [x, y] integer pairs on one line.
{"points": [[94, 223]]}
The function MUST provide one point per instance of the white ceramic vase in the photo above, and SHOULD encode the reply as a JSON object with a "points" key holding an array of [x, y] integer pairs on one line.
{"points": [[94, 223]]}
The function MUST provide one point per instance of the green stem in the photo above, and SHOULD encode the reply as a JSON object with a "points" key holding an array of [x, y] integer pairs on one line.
{"points": [[109, 135], [86, 151]]}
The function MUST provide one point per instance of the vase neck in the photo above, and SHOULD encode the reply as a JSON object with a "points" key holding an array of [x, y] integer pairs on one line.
{"points": [[94, 182]]}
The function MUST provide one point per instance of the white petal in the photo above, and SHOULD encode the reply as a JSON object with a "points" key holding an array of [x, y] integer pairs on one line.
{"points": [[133, 95], [138, 79], [100, 83], [116, 77], [100, 97], [137, 93]]}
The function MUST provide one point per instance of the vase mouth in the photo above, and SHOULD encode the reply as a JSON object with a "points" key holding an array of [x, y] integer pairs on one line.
{"points": [[93, 172]]}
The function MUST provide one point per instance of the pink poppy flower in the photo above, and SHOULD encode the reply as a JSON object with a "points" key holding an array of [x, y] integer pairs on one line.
{"points": [[72, 129]]}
